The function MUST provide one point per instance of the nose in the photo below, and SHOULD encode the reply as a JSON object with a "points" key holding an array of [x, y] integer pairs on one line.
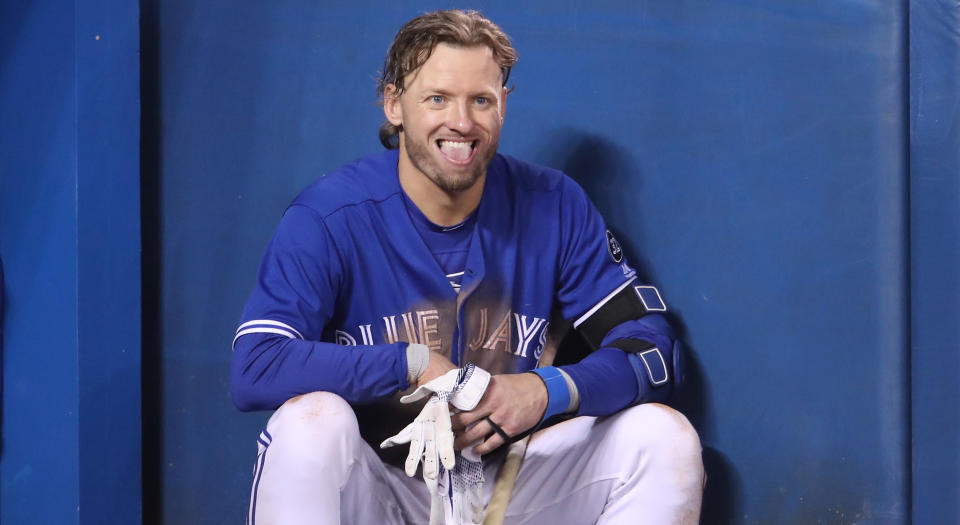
{"points": [[460, 118]]}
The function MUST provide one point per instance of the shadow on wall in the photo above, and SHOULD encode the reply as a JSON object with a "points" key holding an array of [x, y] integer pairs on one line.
{"points": [[151, 205], [3, 297], [604, 169]]}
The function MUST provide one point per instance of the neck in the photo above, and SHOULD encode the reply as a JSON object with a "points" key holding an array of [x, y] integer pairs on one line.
{"points": [[441, 207]]}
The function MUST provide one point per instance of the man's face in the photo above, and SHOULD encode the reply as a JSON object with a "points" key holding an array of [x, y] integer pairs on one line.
{"points": [[451, 113]]}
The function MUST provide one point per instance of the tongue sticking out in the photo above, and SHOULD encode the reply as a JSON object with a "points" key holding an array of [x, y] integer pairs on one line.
{"points": [[455, 150]]}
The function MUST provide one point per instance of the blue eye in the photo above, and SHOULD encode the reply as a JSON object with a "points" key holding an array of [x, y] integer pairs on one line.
{"points": [[436, 99], [482, 100]]}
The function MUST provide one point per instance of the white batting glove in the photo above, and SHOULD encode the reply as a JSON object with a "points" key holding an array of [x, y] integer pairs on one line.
{"points": [[463, 387], [464, 499], [430, 437], [437, 500]]}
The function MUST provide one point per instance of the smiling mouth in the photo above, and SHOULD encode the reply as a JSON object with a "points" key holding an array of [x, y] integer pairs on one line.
{"points": [[457, 151]]}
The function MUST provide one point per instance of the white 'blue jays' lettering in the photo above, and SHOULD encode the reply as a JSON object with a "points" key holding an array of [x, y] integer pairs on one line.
{"points": [[524, 330]]}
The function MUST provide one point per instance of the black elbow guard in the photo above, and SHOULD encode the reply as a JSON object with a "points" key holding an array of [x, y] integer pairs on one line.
{"points": [[626, 303], [649, 342]]}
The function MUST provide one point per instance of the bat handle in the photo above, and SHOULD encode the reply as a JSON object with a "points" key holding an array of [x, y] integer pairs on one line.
{"points": [[507, 477]]}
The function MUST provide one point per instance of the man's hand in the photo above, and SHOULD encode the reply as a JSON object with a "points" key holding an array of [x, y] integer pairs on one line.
{"points": [[431, 435], [514, 402], [430, 439], [461, 387], [438, 365]]}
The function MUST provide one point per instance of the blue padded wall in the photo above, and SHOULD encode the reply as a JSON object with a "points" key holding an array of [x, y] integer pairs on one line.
{"points": [[70, 243], [754, 158], [38, 172], [935, 258]]}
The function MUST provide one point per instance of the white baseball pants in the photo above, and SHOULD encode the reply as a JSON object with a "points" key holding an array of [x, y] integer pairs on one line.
{"points": [[640, 466]]}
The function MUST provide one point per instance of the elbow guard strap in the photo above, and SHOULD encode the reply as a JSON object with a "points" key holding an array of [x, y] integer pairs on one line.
{"points": [[651, 366], [645, 357], [624, 304]]}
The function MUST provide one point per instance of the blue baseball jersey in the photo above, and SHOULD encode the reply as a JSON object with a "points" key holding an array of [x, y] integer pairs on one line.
{"points": [[347, 281]]}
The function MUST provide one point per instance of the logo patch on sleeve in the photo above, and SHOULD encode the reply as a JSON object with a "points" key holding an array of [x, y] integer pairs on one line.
{"points": [[616, 253], [650, 297]]}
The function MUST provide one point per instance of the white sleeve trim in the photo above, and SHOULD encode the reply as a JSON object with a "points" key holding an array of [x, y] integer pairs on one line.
{"points": [[256, 327], [584, 317], [271, 323]]}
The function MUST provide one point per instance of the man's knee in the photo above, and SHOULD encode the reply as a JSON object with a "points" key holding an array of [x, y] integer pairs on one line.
{"points": [[662, 433], [315, 425]]}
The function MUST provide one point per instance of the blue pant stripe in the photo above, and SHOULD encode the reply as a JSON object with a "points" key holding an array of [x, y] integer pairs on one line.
{"points": [[256, 482]]}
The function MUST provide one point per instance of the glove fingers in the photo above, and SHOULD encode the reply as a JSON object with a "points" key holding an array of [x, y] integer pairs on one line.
{"points": [[444, 437], [416, 449], [430, 444]]}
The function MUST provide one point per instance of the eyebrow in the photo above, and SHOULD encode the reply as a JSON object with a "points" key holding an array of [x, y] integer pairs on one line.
{"points": [[436, 91], [427, 91]]}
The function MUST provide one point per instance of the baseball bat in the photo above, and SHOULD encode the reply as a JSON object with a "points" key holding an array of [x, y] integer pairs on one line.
{"points": [[507, 477]]}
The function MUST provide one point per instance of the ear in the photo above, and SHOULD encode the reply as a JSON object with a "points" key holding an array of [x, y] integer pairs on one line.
{"points": [[503, 103], [391, 105]]}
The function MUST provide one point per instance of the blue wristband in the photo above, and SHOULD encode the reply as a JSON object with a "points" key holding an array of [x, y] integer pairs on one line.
{"points": [[558, 395]]}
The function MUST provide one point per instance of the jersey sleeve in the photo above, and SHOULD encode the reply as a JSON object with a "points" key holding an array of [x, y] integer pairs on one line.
{"points": [[278, 351], [594, 280], [297, 281], [592, 264]]}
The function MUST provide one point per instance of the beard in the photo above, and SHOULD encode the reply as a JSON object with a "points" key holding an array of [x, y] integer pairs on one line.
{"points": [[424, 159]]}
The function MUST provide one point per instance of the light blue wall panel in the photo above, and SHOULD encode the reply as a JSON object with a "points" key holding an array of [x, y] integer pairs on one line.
{"points": [[108, 259], [38, 169], [69, 238]]}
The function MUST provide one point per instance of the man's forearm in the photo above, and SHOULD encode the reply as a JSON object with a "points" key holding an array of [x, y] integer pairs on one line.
{"points": [[268, 369], [639, 358], [605, 382]]}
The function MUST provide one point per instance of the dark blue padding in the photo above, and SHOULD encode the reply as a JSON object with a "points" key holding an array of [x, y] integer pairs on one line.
{"points": [[935, 258]]}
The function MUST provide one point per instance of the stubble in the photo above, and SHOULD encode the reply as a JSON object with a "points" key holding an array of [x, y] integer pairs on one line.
{"points": [[448, 181]]}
